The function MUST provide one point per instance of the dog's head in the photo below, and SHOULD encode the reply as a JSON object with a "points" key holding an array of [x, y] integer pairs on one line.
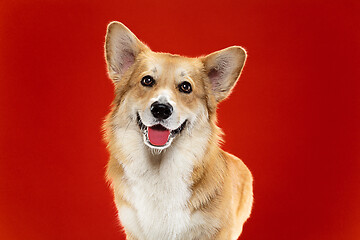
{"points": [[160, 94]]}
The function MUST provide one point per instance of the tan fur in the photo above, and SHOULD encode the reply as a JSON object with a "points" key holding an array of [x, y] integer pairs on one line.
{"points": [[220, 184]]}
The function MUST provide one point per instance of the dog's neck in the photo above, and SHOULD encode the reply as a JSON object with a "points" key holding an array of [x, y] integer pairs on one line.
{"points": [[184, 153], [155, 157]]}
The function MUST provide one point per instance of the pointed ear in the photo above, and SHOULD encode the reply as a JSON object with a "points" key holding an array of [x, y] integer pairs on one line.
{"points": [[223, 69], [121, 49]]}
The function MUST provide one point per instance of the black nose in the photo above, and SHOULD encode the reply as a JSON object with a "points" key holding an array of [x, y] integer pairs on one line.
{"points": [[160, 110]]}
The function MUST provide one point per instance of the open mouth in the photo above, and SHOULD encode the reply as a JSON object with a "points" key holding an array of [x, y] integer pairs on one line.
{"points": [[157, 135]]}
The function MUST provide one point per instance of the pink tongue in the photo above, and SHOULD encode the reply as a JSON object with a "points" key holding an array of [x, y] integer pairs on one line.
{"points": [[157, 136]]}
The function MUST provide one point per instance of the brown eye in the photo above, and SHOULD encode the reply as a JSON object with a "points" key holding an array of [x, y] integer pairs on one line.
{"points": [[185, 87], [147, 81]]}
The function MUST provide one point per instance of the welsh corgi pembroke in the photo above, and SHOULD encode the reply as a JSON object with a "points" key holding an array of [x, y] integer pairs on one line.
{"points": [[170, 178]]}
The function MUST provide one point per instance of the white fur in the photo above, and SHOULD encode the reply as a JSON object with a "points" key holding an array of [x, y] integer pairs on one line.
{"points": [[159, 190]]}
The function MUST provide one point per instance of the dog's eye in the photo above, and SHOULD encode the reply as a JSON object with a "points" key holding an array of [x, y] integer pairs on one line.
{"points": [[185, 87], [147, 81]]}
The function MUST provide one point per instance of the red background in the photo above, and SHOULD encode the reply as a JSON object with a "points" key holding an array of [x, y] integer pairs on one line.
{"points": [[293, 118]]}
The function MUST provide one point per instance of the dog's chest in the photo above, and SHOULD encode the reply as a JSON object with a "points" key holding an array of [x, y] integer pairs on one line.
{"points": [[161, 214], [159, 198]]}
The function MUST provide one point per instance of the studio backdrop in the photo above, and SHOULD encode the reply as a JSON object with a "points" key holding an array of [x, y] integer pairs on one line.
{"points": [[293, 118]]}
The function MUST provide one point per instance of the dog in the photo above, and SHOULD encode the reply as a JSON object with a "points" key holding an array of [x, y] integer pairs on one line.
{"points": [[170, 178]]}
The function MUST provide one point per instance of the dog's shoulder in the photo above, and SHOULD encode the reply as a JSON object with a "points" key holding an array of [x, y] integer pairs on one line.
{"points": [[237, 167]]}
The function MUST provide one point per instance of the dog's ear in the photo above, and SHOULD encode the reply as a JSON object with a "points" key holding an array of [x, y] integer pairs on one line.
{"points": [[223, 69], [121, 49]]}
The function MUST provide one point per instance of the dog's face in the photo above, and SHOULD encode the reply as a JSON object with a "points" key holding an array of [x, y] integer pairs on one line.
{"points": [[161, 94], [165, 95]]}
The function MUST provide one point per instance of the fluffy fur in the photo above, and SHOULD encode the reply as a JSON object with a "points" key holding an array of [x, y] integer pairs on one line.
{"points": [[188, 188]]}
